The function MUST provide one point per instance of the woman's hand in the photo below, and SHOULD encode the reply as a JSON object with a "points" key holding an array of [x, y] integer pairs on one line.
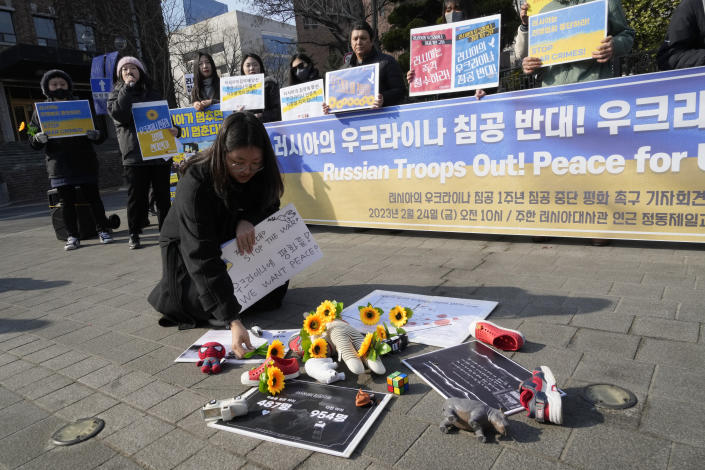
{"points": [[410, 76], [240, 336], [379, 101], [326, 108], [480, 93], [245, 234], [531, 64], [198, 105]]}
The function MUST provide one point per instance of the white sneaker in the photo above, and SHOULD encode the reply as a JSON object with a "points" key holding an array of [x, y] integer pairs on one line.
{"points": [[105, 238], [72, 244]]}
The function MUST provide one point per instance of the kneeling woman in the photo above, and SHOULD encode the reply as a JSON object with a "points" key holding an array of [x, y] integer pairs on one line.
{"points": [[223, 193]]}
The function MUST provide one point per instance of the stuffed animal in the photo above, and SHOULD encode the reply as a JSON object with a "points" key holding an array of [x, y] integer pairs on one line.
{"points": [[473, 415], [347, 341], [323, 370], [210, 355]]}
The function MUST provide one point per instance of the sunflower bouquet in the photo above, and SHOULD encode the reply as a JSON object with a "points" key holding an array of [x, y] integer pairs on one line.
{"points": [[315, 325], [271, 380]]}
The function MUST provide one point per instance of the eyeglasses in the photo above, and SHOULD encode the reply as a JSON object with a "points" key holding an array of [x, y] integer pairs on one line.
{"points": [[240, 168]]}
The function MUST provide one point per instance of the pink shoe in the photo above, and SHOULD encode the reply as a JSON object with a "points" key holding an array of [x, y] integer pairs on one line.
{"points": [[501, 338], [289, 367]]}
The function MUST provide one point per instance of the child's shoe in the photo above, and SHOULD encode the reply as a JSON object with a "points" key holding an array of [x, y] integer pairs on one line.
{"points": [[541, 398], [501, 338]]}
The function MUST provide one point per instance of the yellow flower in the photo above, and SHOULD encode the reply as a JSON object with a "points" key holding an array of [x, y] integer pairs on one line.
{"points": [[369, 315], [152, 114], [275, 380], [326, 310], [397, 316], [314, 324], [319, 348], [22, 127], [362, 352], [381, 332], [276, 349]]}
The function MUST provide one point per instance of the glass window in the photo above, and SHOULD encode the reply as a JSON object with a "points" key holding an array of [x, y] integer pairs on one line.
{"points": [[46, 32], [84, 37], [7, 31]]}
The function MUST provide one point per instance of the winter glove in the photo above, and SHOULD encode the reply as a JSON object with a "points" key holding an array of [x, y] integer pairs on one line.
{"points": [[41, 137], [93, 134]]}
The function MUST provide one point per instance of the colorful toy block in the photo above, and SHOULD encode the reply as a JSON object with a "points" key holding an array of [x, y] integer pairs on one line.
{"points": [[398, 383]]}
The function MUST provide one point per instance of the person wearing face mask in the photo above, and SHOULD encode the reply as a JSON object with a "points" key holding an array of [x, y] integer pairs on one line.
{"points": [[133, 85], [71, 162], [252, 64], [223, 193], [206, 82], [301, 70]]}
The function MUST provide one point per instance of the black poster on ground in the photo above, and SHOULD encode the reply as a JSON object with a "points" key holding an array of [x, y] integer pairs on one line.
{"points": [[313, 416], [472, 370]]}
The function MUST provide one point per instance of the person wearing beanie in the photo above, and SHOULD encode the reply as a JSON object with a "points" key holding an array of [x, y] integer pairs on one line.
{"points": [[206, 82], [71, 162], [134, 86]]}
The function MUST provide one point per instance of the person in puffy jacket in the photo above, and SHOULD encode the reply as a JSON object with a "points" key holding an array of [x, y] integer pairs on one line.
{"points": [[684, 46]]}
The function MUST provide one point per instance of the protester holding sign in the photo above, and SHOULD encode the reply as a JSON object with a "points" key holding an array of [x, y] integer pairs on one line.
{"points": [[684, 45], [224, 192], [134, 86], [302, 70], [206, 82], [71, 162], [252, 64]]}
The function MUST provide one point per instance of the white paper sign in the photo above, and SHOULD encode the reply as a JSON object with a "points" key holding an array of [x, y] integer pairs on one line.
{"points": [[224, 337], [283, 247], [437, 321], [242, 90], [188, 79], [302, 101]]}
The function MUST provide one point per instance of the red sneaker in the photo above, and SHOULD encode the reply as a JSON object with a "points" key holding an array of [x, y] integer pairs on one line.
{"points": [[541, 398], [289, 367], [501, 338]]}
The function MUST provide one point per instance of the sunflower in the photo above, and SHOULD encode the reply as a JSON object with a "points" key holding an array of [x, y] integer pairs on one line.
{"points": [[362, 352], [397, 316], [319, 348], [152, 114], [275, 380], [326, 310], [314, 324], [369, 315], [276, 349], [381, 332]]}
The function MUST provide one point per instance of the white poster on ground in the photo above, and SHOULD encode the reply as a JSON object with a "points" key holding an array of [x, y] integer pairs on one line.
{"points": [[224, 337], [437, 321]]}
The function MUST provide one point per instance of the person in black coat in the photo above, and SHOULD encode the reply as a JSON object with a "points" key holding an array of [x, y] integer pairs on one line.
{"points": [[206, 82], [224, 192], [685, 40], [252, 64], [302, 70], [134, 86], [71, 162]]}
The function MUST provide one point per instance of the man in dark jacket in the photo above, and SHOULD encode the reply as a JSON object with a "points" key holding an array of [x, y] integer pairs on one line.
{"points": [[71, 162], [685, 40], [134, 86]]}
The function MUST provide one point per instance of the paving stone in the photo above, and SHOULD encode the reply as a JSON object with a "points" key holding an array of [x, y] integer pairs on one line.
{"points": [[683, 456], [546, 333], [26, 377], [234, 443], [87, 454], [138, 434], [586, 304], [19, 416], [619, 448], [674, 420], [119, 462], [6, 358], [608, 321], [554, 315], [672, 353], [194, 424], [561, 361], [106, 342], [131, 350], [17, 341], [103, 376], [80, 336], [13, 369], [666, 329], [212, 458], [87, 407], [428, 409], [647, 308], [691, 311], [44, 386], [285, 457], [632, 375], [63, 397], [8, 397], [126, 384], [152, 363], [45, 354], [28, 443], [169, 450], [179, 406], [606, 342], [588, 286], [151, 394], [84, 367], [118, 417], [31, 347], [513, 459], [188, 375], [57, 327], [678, 384], [67, 359]]}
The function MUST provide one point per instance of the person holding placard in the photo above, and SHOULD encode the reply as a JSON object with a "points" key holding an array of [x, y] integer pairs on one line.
{"points": [[71, 162], [252, 64], [206, 82], [302, 70], [134, 86], [223, 193]]}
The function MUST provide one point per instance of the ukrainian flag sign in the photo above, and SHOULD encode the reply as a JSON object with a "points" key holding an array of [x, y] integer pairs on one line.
{"points": [[569, 34], [242, 91], [152, 123], [352, 88], [302, 101], [65, 118]]}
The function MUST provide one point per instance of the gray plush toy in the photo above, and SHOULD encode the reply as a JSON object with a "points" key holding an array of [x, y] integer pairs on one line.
{"points": [[473, 415]]}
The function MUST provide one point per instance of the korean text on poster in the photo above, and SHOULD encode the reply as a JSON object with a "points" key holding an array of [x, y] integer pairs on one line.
{"points": [[302, 101], [431, 59], [569, 34], [476, 53], [283, 247], [352, 88], [152, 123], [64, 118], [188, 82], [242, 91]]}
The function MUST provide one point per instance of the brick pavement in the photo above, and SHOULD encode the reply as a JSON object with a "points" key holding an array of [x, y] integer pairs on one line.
{"points": [[77, 338]]}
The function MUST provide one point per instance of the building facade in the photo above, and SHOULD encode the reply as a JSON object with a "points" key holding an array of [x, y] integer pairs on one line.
{"points": [[199, 10]]}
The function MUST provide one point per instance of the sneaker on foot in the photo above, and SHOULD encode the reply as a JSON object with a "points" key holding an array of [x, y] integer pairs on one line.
{"points": [[105, 238], [541, 398], [135, 242], [72, 243], [289, 367], [501, 338]]}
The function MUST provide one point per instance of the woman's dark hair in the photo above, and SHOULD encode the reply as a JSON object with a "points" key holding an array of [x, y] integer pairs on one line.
{"points": [[464, 7], [257, 58], [292, 73], [197, 91], [239, 130], [363, 26]]}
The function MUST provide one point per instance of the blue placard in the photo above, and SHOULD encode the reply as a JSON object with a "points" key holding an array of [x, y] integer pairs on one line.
{"points": [[476, 54], [102, 68], [352, 88], [65, 118]]}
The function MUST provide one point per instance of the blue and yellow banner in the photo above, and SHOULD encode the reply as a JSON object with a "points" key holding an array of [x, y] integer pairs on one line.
{"points": [[302, 101], [152, 122], [352, 88], [64, 118], [569, 34], [242, 91], [619, 158]]}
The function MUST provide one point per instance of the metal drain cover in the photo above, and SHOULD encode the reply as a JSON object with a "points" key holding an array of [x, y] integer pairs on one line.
{"points": [[609, 396], [78, 431]]}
